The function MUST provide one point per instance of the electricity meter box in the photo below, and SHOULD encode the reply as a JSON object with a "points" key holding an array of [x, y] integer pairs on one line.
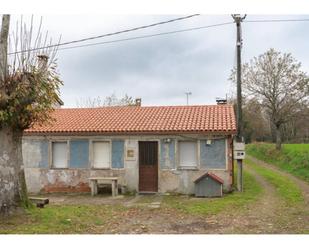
{"points": [[239, 150]]}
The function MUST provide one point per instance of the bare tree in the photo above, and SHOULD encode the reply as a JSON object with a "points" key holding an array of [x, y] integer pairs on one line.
{"points": [[29, 88], [279, 85], [89, 102], [255, 123], [111, 100], [297, 129]]}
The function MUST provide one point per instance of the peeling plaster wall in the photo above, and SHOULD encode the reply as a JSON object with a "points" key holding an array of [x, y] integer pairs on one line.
{"points": [[35, 153], [41, 178], [182, 181], [167, 156], [131, 165]]}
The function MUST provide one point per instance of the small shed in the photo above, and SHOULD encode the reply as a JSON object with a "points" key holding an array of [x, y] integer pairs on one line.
{"points": [[208, 185]]}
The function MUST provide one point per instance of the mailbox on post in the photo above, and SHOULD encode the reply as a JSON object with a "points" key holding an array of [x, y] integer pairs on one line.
{"points": [[239, 150]]}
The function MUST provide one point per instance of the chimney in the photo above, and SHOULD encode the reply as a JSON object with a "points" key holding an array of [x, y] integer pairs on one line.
{"points": [[138, 102], [221, 101]]}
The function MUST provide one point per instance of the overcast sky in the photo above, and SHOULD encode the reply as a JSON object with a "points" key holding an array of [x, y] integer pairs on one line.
{"points": [[161, 69]]}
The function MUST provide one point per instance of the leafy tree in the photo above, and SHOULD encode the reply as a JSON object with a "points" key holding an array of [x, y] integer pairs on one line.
{"points": [[279, 85], [29, 88]]}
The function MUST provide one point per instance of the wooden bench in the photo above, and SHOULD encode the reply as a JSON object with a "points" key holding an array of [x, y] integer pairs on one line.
{"points": [[110, 180], [40, 202]]}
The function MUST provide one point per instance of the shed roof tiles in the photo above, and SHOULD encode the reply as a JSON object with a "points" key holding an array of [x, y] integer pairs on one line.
{"points": [[211, 175]]}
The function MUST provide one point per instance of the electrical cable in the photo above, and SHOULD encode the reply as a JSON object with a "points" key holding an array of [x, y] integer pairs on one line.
{"points": [[108, 34], [151, 35], [146, 36], [277, 20]]}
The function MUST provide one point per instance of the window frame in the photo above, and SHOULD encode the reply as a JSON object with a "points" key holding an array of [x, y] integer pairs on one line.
{"points": [[197, 153], [91, 153], [51, 153]]}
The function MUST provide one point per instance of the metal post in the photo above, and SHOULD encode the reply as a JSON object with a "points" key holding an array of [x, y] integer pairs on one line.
{"points": [[238, 19], [188, 93]]}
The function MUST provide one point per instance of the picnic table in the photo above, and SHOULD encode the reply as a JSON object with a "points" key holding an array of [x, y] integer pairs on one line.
{"points": [[110, 180]]}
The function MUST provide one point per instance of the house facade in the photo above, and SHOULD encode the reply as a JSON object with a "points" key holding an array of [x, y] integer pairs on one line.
{"points": [[150, 149]]}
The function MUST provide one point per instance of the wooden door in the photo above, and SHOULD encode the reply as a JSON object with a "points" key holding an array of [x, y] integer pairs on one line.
{"points": [[148, 166]]}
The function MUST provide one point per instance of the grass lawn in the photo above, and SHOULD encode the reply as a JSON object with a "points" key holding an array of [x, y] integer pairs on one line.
{"points": [[107, 218], [205, 206], [293, 158], [286, 188], [61, 219]]}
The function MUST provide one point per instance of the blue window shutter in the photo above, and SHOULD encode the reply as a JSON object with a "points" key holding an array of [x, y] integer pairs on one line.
{"points": [[118, 154], [44, 154], [167, 157], [213, 155], [79, 153]]}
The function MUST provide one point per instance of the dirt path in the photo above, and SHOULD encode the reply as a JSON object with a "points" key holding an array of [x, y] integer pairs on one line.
{"points": [[290, 219], [304, 186], [259, 217], [269, 215]]}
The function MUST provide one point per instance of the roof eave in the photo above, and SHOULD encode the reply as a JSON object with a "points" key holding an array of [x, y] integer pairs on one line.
{"points": [[110, 133]]}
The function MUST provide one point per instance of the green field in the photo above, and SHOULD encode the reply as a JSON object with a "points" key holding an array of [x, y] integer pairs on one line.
{"points": [[293, 158]]}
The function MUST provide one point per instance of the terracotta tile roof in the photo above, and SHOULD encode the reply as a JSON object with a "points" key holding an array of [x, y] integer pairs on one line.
{"points": [[211, 175], [133, 119]]}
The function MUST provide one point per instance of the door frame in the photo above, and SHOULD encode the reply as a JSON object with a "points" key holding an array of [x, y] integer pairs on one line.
{"points": [[158, 164]]}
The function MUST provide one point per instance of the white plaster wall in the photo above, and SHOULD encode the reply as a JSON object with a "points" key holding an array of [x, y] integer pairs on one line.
{"points": [[31, 153], [131, 166], [33, 180], [182, 181]]}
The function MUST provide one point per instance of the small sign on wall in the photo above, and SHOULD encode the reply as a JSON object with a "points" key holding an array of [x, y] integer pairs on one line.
{"points": [[130, 154]]}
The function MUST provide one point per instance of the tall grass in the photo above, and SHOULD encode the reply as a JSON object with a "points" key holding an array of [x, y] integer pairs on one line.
{"points": [[293, 158]]}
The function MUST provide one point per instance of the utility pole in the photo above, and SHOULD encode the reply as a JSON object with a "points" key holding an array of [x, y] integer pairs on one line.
{"points": [[239, 138], [188, 93]]}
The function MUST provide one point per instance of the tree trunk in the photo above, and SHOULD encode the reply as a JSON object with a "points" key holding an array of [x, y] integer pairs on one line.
{"points": [[273, 132], [278, 138], [13, 192]]}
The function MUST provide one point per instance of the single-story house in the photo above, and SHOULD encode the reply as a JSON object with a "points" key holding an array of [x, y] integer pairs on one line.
{"points": [[150, 149]]}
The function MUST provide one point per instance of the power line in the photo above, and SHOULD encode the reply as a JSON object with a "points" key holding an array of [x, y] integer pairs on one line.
{"points": [[109, 34], [147, 36], [278, 20]]}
